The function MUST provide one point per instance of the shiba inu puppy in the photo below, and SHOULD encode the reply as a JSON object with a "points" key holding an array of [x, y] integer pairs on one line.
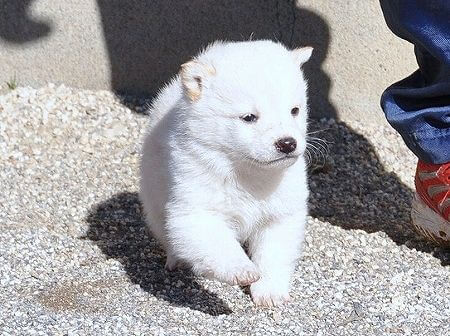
{"points": [[223, 166]]}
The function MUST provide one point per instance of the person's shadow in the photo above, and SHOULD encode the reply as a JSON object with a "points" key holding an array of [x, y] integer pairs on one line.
{"points": [[16, 24], [147, 41]]}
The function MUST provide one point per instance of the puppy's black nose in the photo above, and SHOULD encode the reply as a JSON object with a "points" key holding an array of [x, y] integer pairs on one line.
{"points": [[286, 145]]}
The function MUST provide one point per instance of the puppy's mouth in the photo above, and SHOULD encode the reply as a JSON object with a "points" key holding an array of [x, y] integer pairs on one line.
{"points": [[281, 161], [287, 158]]}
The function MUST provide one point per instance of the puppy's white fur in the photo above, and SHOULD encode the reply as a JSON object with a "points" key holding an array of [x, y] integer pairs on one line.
{"points": [[211, 182]]}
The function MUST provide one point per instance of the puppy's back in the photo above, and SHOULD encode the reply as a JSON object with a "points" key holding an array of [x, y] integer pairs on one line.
{"points": [[166, 100]]}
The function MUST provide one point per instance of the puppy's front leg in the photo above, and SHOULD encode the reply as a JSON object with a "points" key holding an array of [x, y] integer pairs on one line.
{"points": [[275, 250], [208, 245]]}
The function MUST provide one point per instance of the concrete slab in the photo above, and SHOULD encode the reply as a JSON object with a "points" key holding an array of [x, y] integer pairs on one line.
{"points": [[137, 46]]}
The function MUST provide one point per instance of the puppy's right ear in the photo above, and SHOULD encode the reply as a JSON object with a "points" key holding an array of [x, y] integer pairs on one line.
{"points": [[302, 55], [194, 75]]}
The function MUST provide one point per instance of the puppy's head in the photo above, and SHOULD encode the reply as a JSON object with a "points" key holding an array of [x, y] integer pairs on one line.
{"points": [[248, 101]]}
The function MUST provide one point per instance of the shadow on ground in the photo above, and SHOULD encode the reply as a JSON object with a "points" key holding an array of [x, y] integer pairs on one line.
{"points": [[147, 41], [117, 227], [16, 24], [354, 191]]}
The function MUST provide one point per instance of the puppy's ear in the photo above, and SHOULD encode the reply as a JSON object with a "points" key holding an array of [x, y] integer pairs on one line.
{"points": [[302, 55], [194, 75]]}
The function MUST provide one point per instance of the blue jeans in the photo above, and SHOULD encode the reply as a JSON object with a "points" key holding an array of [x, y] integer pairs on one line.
{"points": [[418, 107]]}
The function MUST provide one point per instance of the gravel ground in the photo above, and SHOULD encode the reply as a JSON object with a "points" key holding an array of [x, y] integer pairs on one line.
{"points": [[75, 258]]}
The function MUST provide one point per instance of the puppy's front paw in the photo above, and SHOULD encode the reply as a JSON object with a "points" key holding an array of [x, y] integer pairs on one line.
{"points": [[269, 294], [242, 275], [245, 277]]}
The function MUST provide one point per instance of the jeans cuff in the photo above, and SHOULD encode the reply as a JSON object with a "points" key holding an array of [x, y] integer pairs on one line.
{"points": [[431, 146]]}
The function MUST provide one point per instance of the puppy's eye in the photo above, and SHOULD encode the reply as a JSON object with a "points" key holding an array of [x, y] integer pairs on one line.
{"points": [[249, 118], [295, 111]]}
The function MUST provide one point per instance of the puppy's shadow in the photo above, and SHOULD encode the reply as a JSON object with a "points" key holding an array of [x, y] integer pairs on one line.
{"points": [[354, 191], [117, 226]]}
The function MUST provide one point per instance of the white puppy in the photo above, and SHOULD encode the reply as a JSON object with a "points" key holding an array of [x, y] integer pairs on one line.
{"points": [[223, 166]]}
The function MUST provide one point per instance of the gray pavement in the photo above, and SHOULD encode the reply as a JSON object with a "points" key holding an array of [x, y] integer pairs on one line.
{"points": [[75, 258]]}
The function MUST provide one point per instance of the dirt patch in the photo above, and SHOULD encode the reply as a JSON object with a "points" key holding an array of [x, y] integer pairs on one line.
{"points": [[89, 296]]}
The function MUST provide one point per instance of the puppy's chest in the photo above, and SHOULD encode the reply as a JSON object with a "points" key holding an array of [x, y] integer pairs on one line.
{"points": [[245, 211]]}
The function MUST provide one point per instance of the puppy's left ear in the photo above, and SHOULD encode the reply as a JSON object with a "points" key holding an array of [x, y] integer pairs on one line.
{"points": [[194, 76], [302, 55]]}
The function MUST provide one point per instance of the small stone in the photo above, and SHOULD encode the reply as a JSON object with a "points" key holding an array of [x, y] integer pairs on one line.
{"points": [[276, 315], [115, 131], [397, 301]]}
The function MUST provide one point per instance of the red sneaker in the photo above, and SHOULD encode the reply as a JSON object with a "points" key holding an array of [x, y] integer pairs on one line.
{"points": [[430, 213]]}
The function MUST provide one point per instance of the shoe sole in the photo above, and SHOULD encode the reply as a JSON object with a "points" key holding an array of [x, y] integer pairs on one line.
{"points": [[429, 224]]}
